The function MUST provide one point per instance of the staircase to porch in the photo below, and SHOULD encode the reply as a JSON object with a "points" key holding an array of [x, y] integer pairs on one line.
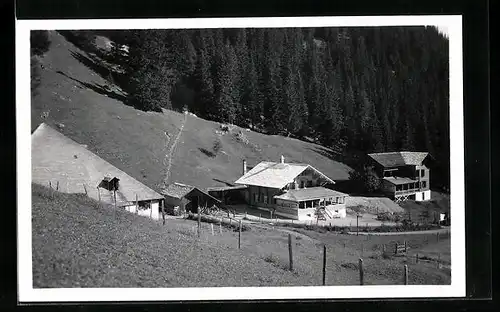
{"points": [[323, 214]]}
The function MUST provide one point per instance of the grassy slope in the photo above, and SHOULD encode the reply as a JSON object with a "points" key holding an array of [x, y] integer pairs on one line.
{"points": [[134, 141], [439, 203], [77, 245]]}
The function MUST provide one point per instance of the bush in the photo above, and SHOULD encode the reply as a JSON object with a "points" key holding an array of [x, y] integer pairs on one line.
{"points": [[271, 259], [365, 179], [217, 146]]}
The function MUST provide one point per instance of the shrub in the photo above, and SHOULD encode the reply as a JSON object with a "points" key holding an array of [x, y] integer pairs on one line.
{"points": [[217, 146], [271, 259]]}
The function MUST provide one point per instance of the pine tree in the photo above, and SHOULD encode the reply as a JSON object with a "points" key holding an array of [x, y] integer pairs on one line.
{"points": [[226, 93], [152, 75]]}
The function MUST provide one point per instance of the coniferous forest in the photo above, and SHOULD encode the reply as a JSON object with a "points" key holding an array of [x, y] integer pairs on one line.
{"points": [[355, 90]]}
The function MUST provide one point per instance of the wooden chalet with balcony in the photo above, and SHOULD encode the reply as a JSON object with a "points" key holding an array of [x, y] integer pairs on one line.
{"points": [[292, 190], [403, 175]]}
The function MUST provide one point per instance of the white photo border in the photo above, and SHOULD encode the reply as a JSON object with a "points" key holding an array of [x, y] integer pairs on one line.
{"points": [[451, 25]]}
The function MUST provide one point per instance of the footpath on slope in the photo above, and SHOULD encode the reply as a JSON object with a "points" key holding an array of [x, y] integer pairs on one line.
{"points": [[170, 154]]}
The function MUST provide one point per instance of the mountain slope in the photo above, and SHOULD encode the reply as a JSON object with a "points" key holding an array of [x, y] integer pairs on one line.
{"points": [[83, 106]]}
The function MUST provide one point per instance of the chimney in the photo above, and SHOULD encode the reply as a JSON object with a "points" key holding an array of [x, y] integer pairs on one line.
{"points": [[282, 159], [244, 166]]}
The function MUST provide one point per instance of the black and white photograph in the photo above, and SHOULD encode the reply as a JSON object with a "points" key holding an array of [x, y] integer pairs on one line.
{"points": [[258, 156]]}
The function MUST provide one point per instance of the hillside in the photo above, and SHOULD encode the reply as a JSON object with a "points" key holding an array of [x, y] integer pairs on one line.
{"points": [[82, 105], [77, 244]]}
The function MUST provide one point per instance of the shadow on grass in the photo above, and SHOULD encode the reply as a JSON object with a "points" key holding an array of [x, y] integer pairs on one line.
{"points": [[207, 152], [107, 73], [98, 88]]}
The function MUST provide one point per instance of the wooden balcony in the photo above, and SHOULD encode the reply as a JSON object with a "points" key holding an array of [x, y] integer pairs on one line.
{"points": [[408, 192]]}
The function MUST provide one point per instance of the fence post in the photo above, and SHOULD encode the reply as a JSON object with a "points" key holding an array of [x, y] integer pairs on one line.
{"points": [[357, 225], [290, 252], [324, 265], [162, 211], [271, 212], [220, 228], [199, 222], [239, 236], [405, 247], [57, 186], [361, 277], [212, 227], [406, 274]]}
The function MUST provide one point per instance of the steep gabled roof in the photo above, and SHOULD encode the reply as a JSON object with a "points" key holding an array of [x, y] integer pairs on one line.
{"points": [[57, 158], [179, 190], [275, 175], [309, 194], [395, 159]]}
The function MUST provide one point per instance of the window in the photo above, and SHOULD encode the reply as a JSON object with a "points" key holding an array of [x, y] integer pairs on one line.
{"points": [[301, 205], [309, 183], [424, 184], [302, 184], [265, 199], [422, 173]]}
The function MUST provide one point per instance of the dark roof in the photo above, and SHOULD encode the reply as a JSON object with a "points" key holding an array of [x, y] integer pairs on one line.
{"points": [[309, 194], [179, 190], [225, 188], [395, 159]]}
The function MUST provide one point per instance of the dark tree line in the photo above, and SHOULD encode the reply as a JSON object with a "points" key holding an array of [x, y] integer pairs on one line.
{"points": [[355, 90], [39, 44]]}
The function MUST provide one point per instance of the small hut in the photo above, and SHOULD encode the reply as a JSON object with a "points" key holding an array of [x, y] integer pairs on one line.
{"points": [[180, 198]]}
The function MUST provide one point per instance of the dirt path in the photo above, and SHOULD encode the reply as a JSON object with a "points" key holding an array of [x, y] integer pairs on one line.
{"points": [[443, 230], [270, 227], [170, 153]]}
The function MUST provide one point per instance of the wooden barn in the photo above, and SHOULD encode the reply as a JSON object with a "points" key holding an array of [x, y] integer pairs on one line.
{"points": [[69, 167], [180, 198], [404, 175]]}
